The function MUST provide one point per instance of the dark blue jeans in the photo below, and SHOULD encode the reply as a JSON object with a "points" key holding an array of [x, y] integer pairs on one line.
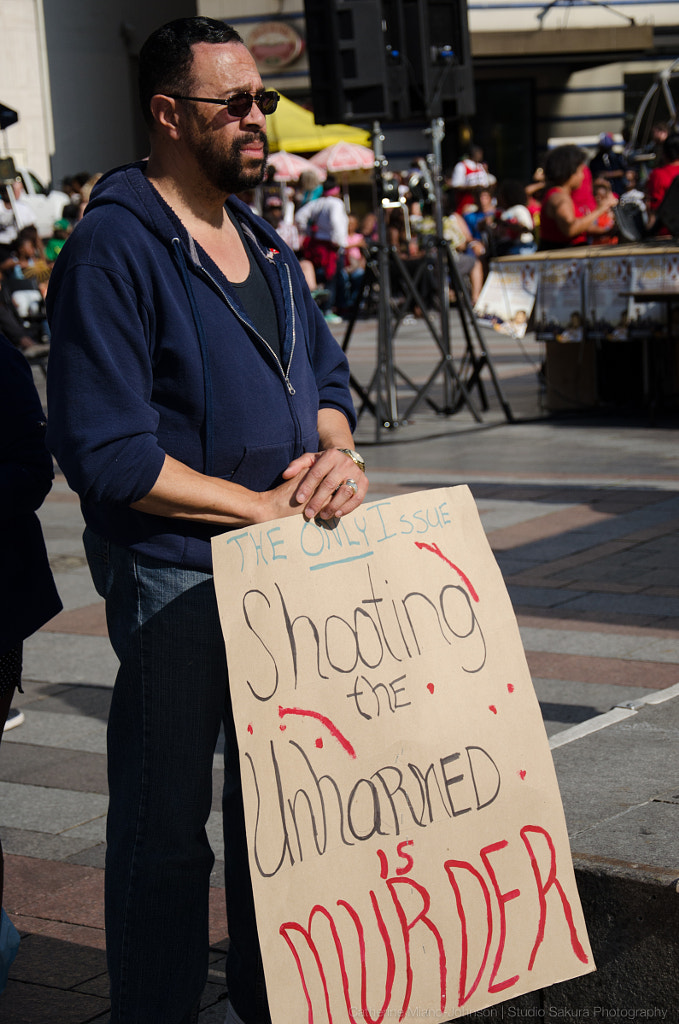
{"points": [[170, 696]]}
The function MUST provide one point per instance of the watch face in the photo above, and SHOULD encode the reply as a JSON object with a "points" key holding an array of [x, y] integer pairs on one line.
{"points": [[358, 459]]}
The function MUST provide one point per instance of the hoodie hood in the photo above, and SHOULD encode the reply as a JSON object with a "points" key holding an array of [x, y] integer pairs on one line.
{"points": [[153, 355], [127, 187]]}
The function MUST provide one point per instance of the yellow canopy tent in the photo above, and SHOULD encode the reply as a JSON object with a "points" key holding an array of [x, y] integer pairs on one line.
{"points": [[293, 128]]}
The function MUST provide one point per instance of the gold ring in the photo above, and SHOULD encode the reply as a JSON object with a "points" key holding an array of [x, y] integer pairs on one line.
{"points": [[352, 485]]}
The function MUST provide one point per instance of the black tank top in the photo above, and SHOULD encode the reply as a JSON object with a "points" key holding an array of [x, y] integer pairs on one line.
{"points": [[255, 297]]}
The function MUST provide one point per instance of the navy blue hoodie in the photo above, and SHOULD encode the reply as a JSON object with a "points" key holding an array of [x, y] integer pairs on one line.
{"points": [[152, 353]]}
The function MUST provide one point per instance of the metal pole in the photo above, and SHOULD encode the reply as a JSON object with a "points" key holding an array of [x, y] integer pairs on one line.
{"points": [[437, 135], [386, 401]]}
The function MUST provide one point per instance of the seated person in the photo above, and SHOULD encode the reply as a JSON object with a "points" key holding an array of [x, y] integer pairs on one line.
{"points": [[26, 337], [60, 232], [482, 220], [354, 262], [608, 164], [606, 230], [29, 266], [467, 252], [516, 231], [631, 193], [27, 278]]}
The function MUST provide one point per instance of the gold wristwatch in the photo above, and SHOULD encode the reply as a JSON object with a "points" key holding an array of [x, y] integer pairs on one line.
{"points": [[355, 457]]}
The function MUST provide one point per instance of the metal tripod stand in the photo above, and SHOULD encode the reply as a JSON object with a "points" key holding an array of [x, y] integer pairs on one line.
{"points": [[383, 259]]}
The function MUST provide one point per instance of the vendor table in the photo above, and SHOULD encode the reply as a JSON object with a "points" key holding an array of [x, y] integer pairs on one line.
{"points": [[605, 315], [659, 350]]}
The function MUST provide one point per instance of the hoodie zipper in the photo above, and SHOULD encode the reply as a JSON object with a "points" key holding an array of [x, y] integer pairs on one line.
{"points": [[294, 322], [284, 373]]}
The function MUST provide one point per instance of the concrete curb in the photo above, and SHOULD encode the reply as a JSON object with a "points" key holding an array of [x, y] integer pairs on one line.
{"points": [[616, 714]]}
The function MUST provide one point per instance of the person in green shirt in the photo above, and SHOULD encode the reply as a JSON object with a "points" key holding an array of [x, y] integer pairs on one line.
{"points": [[61, 231]]}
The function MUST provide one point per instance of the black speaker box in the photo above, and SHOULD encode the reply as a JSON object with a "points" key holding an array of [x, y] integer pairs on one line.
{"points": [[430, 56], [347, 60], [389, 60]]}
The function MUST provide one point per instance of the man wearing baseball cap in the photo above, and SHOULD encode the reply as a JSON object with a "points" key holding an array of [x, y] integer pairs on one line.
{"points": [[608, 164]]}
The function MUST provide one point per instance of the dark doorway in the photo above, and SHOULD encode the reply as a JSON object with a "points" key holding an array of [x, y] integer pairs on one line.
{"points": [[504, 126]]}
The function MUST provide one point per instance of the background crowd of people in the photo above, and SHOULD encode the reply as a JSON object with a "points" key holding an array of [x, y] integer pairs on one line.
{"points": [[26, 261], [571, 200]]}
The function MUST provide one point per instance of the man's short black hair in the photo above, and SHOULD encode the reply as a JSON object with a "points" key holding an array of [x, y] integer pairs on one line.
{"points": [[165, 59], [562, 163]]}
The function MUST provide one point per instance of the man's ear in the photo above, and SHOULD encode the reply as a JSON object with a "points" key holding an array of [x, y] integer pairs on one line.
{"points": [[165, 115]]}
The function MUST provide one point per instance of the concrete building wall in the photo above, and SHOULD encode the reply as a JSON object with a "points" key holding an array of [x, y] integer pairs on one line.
{"points": [[541, 15], [24, 86], [581, 105], [92, 50], [578, 105]]}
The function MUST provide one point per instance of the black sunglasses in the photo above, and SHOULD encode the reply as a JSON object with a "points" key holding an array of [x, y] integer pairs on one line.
{"points": [[240, 104]]}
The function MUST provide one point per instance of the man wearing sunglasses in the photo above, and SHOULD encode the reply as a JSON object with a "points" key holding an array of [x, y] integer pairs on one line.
{"points": [[193, 388]]}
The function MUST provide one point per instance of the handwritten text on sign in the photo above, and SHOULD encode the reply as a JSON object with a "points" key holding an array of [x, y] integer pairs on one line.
{"points": [[407, 843]]}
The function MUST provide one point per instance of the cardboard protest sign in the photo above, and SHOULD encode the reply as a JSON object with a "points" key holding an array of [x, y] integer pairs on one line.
{"points": [[407, 843]]}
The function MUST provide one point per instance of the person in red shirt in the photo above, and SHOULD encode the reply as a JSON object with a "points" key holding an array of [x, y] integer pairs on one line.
{"points": [[660, 179], [562, 225], [469, 176], [583, 196]]}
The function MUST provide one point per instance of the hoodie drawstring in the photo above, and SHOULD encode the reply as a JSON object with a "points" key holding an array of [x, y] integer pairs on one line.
{"points": [[208, 446]]}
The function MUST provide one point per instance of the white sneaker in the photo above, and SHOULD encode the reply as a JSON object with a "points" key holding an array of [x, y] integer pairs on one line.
{"points": [[14, 718]]}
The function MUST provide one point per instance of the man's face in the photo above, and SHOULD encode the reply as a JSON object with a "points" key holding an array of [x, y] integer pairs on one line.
{"points": [[231, 152]]}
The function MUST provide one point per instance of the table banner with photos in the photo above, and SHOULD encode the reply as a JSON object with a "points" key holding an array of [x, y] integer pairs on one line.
{"points": [[581, 292]]}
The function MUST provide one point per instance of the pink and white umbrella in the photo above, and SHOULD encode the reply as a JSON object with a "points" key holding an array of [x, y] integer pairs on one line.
{"points": [[289, 166], [345, 159], [342, 157]]}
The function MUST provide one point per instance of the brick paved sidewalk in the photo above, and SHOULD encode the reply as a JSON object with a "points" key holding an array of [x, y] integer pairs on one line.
{"points": [[583, 516]]}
